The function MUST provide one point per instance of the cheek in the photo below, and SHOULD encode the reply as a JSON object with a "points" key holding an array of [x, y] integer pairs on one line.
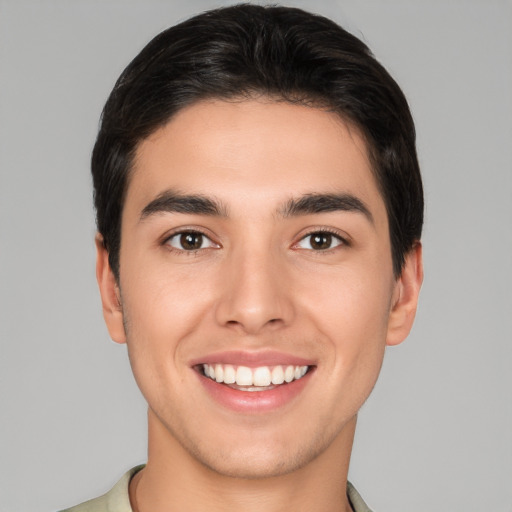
{"points": [[162, 310], [355, 303], [358, 336], [162, 299], [154, 326], [351, 311]]}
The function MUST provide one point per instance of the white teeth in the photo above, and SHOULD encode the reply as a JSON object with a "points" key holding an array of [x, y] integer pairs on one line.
{"points": [[277, 375], [219, 373], [254, 379], [253, 388], [262, 376], [229, 374], [244, 376], [289, 373]]}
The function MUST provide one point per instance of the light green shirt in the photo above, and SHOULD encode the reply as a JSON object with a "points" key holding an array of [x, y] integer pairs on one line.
{"points": [[118, 500]]}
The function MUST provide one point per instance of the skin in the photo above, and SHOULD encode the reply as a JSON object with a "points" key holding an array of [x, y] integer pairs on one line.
{"points": [[256, 284]]}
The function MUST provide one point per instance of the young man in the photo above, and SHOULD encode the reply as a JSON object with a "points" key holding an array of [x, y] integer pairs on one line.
{"points": [[259, 209]]}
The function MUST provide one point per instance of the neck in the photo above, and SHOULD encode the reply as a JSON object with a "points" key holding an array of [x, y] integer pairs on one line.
{"points": [[175, 480]]}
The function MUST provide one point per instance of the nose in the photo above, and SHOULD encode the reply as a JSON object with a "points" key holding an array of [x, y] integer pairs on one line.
{"points": [[255, 293]]}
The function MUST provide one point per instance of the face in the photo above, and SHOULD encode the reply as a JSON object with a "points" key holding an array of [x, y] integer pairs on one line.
{"points": [[256, 283]]}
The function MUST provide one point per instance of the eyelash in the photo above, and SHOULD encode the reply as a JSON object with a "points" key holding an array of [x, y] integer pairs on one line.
{"points": [[190, 252], [318, 231], [343, 241]]}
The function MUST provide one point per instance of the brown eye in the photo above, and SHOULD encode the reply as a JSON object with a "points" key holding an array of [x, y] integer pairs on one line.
{"points": [[190, 241], [320, 241]]}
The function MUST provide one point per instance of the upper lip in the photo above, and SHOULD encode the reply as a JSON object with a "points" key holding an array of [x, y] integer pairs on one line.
{"points": [[252, 359]]}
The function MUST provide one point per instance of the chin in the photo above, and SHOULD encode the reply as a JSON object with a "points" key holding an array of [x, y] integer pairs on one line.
{"points": [[248, 466], [260, 459]]}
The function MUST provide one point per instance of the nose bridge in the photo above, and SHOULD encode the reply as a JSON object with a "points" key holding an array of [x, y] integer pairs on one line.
{"points": [[254, 294]]}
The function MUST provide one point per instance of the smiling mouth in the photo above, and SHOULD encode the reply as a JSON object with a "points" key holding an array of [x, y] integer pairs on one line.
{"points": [[261, 378]]}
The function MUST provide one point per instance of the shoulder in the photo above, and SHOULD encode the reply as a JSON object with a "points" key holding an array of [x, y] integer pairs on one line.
{"points": [[115, 500], [357, 503]]}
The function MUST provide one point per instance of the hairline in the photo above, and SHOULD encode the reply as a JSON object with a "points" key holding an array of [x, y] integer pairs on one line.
{"points": [[298, 99]]}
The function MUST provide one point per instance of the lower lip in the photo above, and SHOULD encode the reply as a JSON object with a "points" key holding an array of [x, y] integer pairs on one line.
{"points": [[254, 401]]}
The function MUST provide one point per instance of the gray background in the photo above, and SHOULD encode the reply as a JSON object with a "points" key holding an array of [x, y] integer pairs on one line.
{"points": [[436, 433]]}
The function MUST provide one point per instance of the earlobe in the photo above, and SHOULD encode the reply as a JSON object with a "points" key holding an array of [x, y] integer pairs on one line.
{"points": [[109, 291], [405, 300]]}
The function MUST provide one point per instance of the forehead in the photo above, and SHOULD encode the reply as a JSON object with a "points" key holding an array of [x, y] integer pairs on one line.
{"points": [[253, 152]]}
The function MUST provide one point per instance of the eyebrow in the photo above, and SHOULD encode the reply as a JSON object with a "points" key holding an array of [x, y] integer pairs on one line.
{"points": [[321, 203], [174, 202]]}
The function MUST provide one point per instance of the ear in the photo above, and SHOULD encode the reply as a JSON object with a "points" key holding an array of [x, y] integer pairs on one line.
{"points": [[110, 294], [405, 297]]}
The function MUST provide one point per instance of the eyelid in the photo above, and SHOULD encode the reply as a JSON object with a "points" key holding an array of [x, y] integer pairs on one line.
{"points": [[340, 235], [188, 229]]}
